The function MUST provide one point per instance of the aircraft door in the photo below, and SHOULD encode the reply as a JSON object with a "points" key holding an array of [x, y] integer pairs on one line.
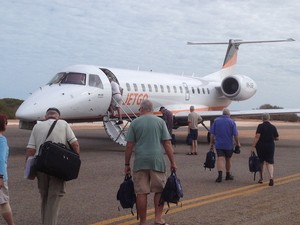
{"points": [[186, 91], [101, 95]]}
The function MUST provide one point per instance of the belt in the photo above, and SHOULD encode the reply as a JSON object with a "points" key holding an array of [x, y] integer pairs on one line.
{"points": [[116, 94]]}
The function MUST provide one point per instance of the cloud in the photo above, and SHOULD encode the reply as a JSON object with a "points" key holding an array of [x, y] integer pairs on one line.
{"points": [[38, 38]]}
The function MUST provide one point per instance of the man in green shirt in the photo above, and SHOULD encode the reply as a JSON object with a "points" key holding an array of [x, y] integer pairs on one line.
{"points": [[147, 135]]}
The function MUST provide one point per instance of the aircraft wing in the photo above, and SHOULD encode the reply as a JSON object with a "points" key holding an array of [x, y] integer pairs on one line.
{"points": [[210, 115]]}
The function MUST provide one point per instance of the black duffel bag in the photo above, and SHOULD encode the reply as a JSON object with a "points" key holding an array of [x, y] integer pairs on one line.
{"points": [[57, 160]]}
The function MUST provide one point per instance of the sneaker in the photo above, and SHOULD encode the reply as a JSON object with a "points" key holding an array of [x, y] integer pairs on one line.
{"points": [[229, 177], [219, 180], [271, 183], [119, 122]]}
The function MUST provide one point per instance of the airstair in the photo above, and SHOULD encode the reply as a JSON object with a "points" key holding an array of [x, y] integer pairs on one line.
{"points": [[117, 132]]}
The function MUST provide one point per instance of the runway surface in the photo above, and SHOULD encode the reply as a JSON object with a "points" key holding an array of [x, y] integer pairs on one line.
{"points": [[91, 199]]}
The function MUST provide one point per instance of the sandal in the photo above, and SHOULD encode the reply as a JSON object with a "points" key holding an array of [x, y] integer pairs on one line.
{"points": [[260, 181], [195, 153], [190, 153]]}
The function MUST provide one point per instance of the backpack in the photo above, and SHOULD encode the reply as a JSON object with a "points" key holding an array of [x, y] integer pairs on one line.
{"points": [[189, 139], [254, 164], [210, 160], [126, 194], [173, 140], [172, 191]]}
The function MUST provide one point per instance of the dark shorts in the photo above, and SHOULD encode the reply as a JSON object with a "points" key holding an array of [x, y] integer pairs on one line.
{"points": [[194, 134], [225, 153], [265, 153]]}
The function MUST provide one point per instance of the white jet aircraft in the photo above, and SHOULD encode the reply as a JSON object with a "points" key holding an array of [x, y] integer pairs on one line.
{"points": [[83, 93]]}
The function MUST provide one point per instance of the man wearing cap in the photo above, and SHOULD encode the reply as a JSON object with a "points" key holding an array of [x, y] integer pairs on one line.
{"points": [[51, 188], [167, 116]]}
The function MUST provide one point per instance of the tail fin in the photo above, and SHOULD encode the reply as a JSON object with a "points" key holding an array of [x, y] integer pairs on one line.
{"points": [[233, 47]]}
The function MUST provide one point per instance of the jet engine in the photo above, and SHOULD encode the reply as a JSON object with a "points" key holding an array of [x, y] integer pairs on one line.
{"points": [[238, 87]]}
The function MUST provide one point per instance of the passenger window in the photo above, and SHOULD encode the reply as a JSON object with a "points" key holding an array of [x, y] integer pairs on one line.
{"points": [[135, 87], [203, 90], [193, 90], [208, 92], [168, 88], [95, 81], [128, 87], [180, 88], [175, 89], [198, 89], [156, 88], [143, 87], [161, 88], [150, 87]]}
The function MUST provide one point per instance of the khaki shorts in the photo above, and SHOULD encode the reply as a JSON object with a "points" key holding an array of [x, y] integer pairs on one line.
{"points": [[146, 181], [4, 197]]}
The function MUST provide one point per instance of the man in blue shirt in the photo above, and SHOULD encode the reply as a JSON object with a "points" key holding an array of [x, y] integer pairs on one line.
{"points": [[222, 133]]}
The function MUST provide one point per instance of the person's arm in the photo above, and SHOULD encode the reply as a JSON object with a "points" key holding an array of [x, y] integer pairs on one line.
{"points": [[128, 153], [76, 147], [169, 151], [212, 140], [256, 138], [2, 163], [237, 141]]}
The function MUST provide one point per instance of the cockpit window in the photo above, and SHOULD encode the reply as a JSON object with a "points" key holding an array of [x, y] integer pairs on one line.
{"points": [[74, 78], [69, 78], [57, 78], [95, 81]]}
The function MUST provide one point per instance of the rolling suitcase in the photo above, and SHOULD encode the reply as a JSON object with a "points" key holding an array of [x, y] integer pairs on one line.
{"points": [[57, 160]]}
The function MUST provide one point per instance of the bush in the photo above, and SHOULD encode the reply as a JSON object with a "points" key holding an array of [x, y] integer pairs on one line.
{"points": [[9, 106]]}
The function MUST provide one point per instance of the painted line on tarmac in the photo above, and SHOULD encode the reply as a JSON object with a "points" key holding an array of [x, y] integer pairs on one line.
{"points": [[203, 200]]}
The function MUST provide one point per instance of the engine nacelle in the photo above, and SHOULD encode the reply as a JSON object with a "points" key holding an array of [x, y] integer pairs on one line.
{"points": [[238, 87]]}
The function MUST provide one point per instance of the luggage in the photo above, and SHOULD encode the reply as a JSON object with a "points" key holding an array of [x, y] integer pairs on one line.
{"points": [[189, 139], [254, 164], [173, 140], [210, 160], [57, 160], [126, 194], [172, 191]]}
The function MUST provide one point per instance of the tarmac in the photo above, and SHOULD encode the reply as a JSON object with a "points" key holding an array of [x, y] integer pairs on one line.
{"points": [[91, 199]]}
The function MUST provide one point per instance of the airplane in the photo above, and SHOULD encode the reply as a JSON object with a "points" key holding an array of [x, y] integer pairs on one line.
{"points": [[83, 93]]}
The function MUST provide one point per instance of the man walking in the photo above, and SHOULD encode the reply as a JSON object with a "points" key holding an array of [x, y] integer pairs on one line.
{"points": [[222, 133], [51, 188], [145, 135]]}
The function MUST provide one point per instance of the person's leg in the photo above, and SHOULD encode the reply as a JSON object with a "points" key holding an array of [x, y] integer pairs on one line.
{"points": [[261, 172], [7, 213], [43, 184], [141, 205], [220, 167], [158, 208], [119, 113], [55, 194], [270, 168], [228, 168]]}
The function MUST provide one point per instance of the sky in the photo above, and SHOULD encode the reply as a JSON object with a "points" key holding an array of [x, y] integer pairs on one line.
{"points": [[39, 38]]}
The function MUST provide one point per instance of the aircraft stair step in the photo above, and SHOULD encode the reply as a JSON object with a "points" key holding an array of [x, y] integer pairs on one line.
{"points": [[114, 131]]}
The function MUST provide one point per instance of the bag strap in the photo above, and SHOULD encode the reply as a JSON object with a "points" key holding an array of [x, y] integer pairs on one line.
{"points": [[51, 129]]}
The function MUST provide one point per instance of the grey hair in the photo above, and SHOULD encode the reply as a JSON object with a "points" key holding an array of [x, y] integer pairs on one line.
{"points": [[265, 117], [147, 105], [226, 112]]}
